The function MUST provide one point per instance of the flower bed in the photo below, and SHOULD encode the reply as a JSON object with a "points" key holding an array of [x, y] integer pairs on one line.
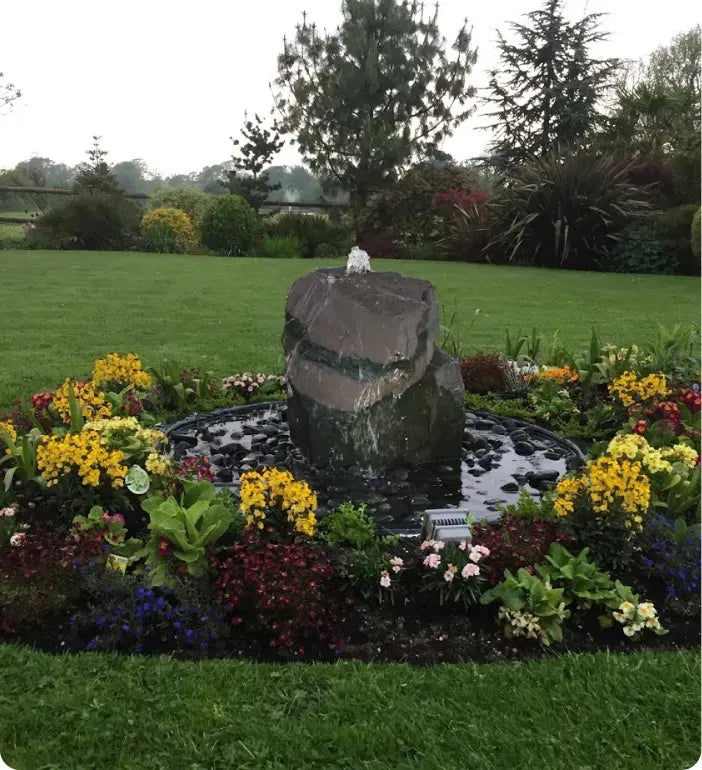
{"points": [[107, 542]]}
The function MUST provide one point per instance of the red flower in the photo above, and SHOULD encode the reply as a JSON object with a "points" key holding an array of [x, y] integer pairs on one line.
{"points": [[164, 547], [640, 427]]}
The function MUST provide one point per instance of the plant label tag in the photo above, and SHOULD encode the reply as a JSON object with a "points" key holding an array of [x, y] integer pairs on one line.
{"points": [[117, 563]]}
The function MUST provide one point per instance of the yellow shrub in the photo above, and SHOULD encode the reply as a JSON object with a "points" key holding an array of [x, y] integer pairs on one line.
{"points": [[168, 230]]}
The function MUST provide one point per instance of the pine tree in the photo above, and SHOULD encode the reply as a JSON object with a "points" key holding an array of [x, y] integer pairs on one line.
{"points": [[364, 101], [249, 177], [95, 175], [547, 91]]}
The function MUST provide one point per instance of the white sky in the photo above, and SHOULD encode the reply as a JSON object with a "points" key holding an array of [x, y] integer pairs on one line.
{"points": [[169, 80]]}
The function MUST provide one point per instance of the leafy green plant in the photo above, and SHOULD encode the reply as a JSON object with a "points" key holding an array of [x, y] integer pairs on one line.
{"points": [[280, 247], [682, 494], [313, 231], [176, 389], [674, 227], [21, 457], [360, 570], [580, 578], [348, 525], [229, 226], [551, 401], [642, 251], [528, 507], [530, 607], [182, 530], [564, 210], [675, 351]]}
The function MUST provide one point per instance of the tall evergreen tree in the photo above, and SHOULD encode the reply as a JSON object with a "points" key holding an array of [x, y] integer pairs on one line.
{"points": [[95, 175], [547, 89], [364, 101], [249, 177]]}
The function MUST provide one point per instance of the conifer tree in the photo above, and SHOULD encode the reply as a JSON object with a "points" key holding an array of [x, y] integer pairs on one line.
{"points": [[381, 90], [547, 89]]}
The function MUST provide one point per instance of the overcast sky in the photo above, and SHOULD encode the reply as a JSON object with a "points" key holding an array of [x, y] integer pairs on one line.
{"points": [[168, 81]]}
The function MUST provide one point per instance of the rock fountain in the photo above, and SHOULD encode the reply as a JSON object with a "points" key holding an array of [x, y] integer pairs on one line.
{"points": [[375, 411], [367, 385]]}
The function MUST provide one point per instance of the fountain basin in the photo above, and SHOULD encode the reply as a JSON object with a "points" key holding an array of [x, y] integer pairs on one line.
{"points": [[499, 457]]}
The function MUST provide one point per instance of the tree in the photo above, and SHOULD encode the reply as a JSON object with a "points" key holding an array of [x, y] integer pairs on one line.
{"points": [[95, 176], [656, 114], [364, 101], [132, 175], [548, 88], [249, 177], [8, 92]]}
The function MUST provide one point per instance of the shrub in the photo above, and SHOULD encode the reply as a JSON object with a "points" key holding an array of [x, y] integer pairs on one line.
{"points": [[642, 251], [657, 177], [192, 201], [674, 227], [406, 209], [91, 221], [280, 587], [380, 244], [515, 543], [312, 231], [229, 226], [280, 247], [467, 225], [168, 230], [695, 235], [565, 211], [486, 372]]}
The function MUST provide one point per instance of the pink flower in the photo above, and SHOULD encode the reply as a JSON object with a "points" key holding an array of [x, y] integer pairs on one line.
{"points": [[10, 511], [432, 561], [470, 570], [396, 563], [385, 579], [18, 538], [463, 545], [426, 544]]}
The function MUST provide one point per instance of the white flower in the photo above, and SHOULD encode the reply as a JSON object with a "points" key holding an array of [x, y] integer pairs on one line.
{"points": [[438, 545], [17, 538], [463, 545], [433, 561], [475, 555], [385, 579], [470, 570], [628, 630], [7, 511], [482, 549], [448, 575]]}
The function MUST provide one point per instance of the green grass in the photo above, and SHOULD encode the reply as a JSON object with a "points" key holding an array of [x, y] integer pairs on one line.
{"points": [[573, 712], [61, 310]]}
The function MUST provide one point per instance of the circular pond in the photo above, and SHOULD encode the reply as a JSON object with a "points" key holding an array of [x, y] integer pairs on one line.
{"points": [[500, 456]]}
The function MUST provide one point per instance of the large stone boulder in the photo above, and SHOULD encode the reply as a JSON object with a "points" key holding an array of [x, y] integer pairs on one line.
{"points": [[366, 384]]}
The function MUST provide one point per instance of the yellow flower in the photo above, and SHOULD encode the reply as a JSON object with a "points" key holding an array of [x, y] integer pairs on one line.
{"points": [[635, 447], [9, 428], [92, 403], [274, 488], [157, 464], [121, 370], [84, 454], [630, 390], [681, 453]]}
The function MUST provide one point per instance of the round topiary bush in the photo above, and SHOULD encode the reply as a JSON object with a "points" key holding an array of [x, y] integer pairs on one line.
{"points": [[695, 235], [229, 225], [168, 230]]}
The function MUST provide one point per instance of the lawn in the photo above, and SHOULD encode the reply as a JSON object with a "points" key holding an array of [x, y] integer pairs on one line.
{"points": [[573, 712], [61, 310]]}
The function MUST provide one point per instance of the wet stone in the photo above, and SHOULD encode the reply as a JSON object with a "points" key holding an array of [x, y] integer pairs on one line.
{"points": [[524, 448], [510, 486]]}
